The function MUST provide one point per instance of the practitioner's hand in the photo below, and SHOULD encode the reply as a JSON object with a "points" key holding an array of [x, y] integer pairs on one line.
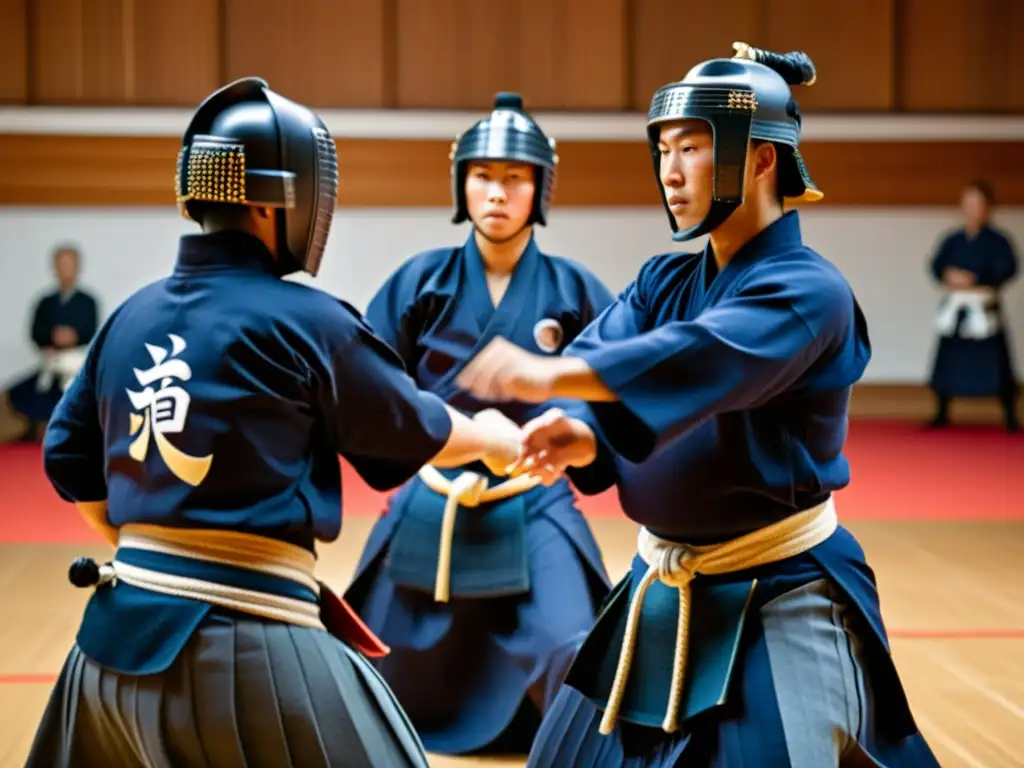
{"points": [[64, 336], [552, 442], [958, 278], [503, 371], [508, 440]]}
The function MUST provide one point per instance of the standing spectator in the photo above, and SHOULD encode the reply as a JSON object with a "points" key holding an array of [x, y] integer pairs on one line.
{"points": [[973, 359]]}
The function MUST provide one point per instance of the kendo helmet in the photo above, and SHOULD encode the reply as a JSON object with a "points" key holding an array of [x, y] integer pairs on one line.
{"points": [[247, 145], [510, 135], [742, 98]]}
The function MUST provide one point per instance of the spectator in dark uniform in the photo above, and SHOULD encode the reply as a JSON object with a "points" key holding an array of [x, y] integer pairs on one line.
{"points": [[973, 358], [63, 324]]}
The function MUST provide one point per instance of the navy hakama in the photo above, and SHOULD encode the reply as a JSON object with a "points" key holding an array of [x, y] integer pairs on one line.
{"points": [[242, 692], [477, 671], [799, 676]]}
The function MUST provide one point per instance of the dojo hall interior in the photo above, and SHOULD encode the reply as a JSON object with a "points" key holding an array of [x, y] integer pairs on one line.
{"points": [[915, 100]]}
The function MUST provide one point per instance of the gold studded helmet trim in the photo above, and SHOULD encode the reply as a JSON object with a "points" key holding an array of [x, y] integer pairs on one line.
{"points": [[213, 170]]}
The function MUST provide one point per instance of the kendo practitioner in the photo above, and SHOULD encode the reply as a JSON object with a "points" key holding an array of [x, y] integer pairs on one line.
{"points": [[202, 438], [483, 588], [973, 359], [63, 324], [748, 631]]}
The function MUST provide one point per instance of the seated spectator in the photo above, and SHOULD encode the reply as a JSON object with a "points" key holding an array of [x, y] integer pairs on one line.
{"points": [[63, 324]]}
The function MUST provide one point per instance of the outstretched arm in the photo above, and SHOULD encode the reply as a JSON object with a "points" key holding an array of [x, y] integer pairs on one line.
{"points": [[388, 428], [740, 353], [495, 441]]}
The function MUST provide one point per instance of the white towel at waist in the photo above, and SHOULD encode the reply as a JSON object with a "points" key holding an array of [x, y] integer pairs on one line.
{"points": [[982, 319], [62, 366]]}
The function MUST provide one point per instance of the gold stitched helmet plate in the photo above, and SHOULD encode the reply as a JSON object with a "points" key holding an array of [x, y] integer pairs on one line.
{"points": [[215, 174]]}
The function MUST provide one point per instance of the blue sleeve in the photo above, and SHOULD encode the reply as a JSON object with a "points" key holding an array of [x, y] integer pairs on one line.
{"points": [[384, 425], [73, 446], [596, 298], [391, 314], [941, 259], [736, 355], [600, 474], [1004, 263], [42, 328], [86, 319]]}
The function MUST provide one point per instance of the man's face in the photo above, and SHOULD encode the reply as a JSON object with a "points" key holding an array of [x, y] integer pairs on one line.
{"points": [[499, 197], [65, 265], [974, 206], [687, 170]]}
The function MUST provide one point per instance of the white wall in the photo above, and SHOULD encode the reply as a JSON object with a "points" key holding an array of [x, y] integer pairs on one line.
{"points": [[882, 252]]}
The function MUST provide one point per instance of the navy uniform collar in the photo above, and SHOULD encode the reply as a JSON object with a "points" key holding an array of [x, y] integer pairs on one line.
{"points": [[479, 296], [228, 249], [530, 253], [782, 234], [985, 231]]}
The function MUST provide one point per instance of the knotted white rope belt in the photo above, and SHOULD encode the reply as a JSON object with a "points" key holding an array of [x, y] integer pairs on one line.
{"points": [[676, 564], [240, 550], [470, 490]]}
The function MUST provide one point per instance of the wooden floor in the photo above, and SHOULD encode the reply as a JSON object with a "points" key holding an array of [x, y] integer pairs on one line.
{"points": [[952, 596]]}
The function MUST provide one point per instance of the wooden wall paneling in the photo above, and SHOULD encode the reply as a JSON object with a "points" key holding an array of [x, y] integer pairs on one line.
{"points": [[109, 170], [606, 173], [851, 44], [13, 51], [559, 54], [324, 54], [176, 53], [935, 55], [487, 43], [78, 50], [913, 173], [365, 182], [572, 54], [123, 52], [916, 55], [426, 53], [542, 54], [1009, 72], [593, 40], [87, 170], [961, 55], [668, 37], [569, 55]]}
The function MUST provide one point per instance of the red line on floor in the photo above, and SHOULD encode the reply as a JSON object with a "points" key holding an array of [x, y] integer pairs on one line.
{"points": [[26, 679], [957, 634]]}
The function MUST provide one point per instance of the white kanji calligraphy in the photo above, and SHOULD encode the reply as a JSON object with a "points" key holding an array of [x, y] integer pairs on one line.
{"points": [[163, 410]]}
